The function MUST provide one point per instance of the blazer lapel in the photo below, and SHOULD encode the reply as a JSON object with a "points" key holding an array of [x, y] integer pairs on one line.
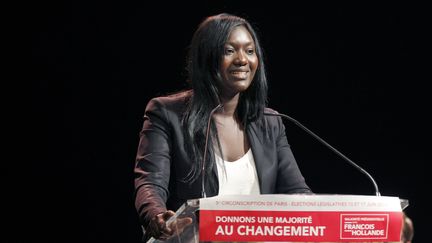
{"points": [[256, 140]]}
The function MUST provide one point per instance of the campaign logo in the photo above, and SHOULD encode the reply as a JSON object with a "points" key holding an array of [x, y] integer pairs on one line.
{"points": [[364, 226]]}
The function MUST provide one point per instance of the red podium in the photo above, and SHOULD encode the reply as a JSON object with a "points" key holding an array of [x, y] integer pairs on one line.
{"points": [[291, 218]]}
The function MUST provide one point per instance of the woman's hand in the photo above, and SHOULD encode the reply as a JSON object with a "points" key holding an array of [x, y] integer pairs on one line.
{"points": [[158, 227]]}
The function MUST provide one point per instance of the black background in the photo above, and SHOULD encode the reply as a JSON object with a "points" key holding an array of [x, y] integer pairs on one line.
{"points": [[353, 74]]}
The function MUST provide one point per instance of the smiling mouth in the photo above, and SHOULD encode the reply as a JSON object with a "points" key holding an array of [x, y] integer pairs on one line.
{"points": [[239, 74]]}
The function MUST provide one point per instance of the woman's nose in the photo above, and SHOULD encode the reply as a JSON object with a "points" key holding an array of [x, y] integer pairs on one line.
{"points": [[241, 59]]}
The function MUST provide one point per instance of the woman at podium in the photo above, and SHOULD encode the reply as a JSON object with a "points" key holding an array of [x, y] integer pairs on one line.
{"points": [[214, 138]]}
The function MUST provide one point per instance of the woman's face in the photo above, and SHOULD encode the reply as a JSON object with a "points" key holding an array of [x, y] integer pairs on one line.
{"points": [[239, 62]]}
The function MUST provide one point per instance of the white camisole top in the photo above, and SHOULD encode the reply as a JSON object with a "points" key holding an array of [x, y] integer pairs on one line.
{"points": [[238, 177]]}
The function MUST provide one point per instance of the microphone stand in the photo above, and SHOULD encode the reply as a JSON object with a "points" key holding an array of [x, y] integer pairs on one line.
{"points": [[377, 193], [203, 193]]}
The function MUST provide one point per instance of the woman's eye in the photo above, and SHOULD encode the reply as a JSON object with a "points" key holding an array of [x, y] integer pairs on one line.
{"points": [[229, 51], [250, 51]]}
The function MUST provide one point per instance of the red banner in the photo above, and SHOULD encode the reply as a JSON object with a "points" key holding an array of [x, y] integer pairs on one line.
{"points": [[312, 219]]}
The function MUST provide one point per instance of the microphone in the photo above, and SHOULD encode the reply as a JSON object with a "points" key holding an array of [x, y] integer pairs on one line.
{"points": [[203, 193], [377, 193]]}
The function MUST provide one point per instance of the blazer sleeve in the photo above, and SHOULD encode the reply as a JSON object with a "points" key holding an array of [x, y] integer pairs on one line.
{"points": [[152, 165], [289, 178]]}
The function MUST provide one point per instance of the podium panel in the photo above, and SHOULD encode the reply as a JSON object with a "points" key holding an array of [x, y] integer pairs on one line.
{"points": [[291, 218]]}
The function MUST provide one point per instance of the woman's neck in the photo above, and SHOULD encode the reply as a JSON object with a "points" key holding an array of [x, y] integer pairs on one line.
{"points": [[229, 106]]}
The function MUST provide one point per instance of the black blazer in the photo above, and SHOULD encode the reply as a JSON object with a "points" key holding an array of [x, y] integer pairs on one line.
{"points": [[162, 163]]}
